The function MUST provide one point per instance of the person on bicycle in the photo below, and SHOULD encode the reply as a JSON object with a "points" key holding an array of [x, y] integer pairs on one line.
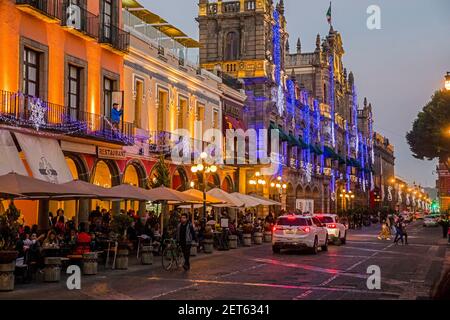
{"points": [[185, 235]]}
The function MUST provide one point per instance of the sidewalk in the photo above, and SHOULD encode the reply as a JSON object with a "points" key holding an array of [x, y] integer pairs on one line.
{"points": [[442, 288], [37, 286]]}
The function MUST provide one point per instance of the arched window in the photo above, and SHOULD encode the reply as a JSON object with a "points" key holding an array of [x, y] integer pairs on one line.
{"points": [[232, 46]]}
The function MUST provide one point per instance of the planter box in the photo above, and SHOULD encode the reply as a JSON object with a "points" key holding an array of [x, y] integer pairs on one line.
{"points": [[52, 270], [7, 276], [147, 255], [258, 238], [90, 263], [194, 249], [122, 259], [247, 240], [268, 236], [232, 242], [208, 245]]}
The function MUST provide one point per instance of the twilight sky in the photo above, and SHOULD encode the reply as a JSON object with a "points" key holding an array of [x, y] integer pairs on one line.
{"points": [[397, 68]]}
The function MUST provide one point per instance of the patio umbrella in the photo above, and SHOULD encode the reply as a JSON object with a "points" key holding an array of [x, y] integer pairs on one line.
{"points": [[199, 195], [227, 198], [16, 184], [127, 191], [248, 201], [167, 194], [265, 201], [86, 190]]}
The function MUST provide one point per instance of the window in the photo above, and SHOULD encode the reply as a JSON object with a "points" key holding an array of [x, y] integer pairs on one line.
{"points": [[139, 91], [163, 102], [74, 93], [31, 72], [292, 222], [107, 18], [317, 222], [232, 46], [182, 114], [108, 89], [216, 119], [200, 112]]}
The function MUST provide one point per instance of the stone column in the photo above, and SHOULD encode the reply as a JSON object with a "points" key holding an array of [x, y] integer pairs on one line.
{"points": [[43, 215], [83, 210], [142, 208]]}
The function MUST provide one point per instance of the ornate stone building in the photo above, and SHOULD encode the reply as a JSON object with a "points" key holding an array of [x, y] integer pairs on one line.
{"points": [[384, 162], [325, 140]]}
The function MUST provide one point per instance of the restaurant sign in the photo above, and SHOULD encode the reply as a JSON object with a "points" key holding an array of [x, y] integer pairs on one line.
{"points": [[113, 154]]}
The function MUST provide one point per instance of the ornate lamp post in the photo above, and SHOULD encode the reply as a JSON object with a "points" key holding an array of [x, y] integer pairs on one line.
{"points": [[257, 181], [203, 168], [279, 185]]}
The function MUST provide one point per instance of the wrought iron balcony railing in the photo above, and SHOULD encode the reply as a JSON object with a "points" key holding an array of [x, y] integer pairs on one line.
{"points": [[82, 21], [115, 37], [20, 110], [49, 8]]}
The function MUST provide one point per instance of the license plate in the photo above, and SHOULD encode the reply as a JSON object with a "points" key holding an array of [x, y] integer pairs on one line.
{"points": [[289, 231]]}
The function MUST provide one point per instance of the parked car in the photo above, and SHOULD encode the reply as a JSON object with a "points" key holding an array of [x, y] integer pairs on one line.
{"points": [[299, 232], [431, 220], [337, 232]]}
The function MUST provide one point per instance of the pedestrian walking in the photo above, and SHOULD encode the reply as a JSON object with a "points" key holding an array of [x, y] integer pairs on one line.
{"points": [[185, 235], [399, 231]]}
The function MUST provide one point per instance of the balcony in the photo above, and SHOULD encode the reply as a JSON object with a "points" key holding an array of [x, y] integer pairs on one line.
{"points": [[87, 25], [114, 37], [165, 142], [20, 110], [231, 7], [47, 10]]}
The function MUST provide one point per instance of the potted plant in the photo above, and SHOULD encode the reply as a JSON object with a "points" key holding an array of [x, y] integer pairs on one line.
{"points": [[119, 226], [268, 232], [9, 230], [208, 242], [247, 231]]}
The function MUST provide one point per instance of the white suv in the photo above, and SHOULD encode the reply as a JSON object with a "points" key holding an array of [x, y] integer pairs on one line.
{"points": [[337, 232], [298, 231]]}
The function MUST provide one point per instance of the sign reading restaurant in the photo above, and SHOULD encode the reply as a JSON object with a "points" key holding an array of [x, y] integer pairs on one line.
{"points": [[113, 154]]}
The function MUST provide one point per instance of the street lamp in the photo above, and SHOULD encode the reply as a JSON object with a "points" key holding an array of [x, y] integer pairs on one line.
{"points": [[447, 81], [203, 168]]}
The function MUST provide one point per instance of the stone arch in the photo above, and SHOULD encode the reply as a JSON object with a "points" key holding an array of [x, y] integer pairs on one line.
{"points": [[113, 169], [140, 171], [290, 198], [213, 181], [317, 199], [81, 167], [299, 192], [179, 179], [228, 184]]}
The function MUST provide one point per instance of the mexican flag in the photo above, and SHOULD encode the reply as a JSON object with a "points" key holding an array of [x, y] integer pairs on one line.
{"points": [[329, 14]]}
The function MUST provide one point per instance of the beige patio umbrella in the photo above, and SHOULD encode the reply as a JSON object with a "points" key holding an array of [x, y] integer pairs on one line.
{"points": [[16, 184], [227, 199], [164, 194], [88, 190], [199, 195], [265, 201], [129, 192]]}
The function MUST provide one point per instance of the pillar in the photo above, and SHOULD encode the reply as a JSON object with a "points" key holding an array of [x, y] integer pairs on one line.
{"points": [[115, 207], [83, 211], [43, 215], [142, 208]]}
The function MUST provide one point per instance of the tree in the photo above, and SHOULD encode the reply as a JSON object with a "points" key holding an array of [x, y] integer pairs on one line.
{"points": [[162, 174], [430, 135]]}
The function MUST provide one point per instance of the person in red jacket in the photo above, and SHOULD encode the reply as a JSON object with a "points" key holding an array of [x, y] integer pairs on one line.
{"points": [[83, 240]]}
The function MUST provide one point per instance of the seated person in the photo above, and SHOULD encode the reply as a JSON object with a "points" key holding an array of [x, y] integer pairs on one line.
{"points": [[83, 240], [51, 241]]}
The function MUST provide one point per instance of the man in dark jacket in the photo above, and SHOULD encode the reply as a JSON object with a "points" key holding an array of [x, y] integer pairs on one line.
{"points": [[185, 236]]}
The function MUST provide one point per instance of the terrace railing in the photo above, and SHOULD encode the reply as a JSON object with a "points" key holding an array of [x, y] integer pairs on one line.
{"points": [[20, 110]]}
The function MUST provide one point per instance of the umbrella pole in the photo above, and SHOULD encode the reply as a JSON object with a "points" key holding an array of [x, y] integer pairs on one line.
{"points": [[192, 213]]}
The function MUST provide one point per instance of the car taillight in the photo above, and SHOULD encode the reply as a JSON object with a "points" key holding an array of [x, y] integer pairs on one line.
{"points": [[274, 229], [332, 226], [304, 229]]}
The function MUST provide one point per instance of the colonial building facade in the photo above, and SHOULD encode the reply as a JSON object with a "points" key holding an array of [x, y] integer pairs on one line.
{"points": [[325, 156], [384, 171]]}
